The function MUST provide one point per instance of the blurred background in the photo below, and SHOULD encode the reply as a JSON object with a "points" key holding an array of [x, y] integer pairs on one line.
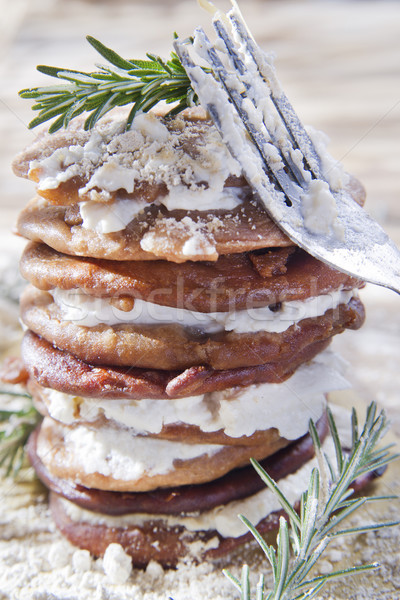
{"points": [[339, 63]]}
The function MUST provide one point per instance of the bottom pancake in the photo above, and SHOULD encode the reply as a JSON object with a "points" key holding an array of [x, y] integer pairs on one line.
{"points": [[167, 540]]}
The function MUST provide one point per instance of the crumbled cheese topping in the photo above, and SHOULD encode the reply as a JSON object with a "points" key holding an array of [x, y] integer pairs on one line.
{"points": [[183, 155], [117, 564], [199, 243]]}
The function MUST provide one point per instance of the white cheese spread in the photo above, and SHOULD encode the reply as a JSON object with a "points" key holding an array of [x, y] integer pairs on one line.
{"points": [[96, 451], [108, 217], [88, 311], [238, 412]]}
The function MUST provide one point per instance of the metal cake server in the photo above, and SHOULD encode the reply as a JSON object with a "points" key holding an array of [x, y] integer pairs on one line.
{"points": [[259, 126]]}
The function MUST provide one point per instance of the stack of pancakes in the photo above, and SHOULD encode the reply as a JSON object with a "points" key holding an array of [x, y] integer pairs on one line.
{"points": [[173, 333]]}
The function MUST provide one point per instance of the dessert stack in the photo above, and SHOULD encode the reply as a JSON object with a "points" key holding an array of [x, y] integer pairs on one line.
{"points": [[173, 333]]}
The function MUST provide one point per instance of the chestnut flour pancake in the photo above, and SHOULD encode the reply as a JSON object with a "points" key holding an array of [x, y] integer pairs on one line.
{"points": [[235, 485], [233, 282], [175, 347], [62, 371]]}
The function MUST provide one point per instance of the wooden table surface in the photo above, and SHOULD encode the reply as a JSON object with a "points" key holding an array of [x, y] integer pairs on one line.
{"points": [[339, 63]]}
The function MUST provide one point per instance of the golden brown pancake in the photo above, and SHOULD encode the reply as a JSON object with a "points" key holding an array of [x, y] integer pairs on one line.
{"points": [[233, 282], [235, 485], [62, 371], [58, 455], [172, 346], [156, 232], [154, 540], [245, 228], [192, 131], [242, 229]]}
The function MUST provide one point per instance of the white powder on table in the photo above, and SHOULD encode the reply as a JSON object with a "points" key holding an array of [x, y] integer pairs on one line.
{"points": [[37, 563]]}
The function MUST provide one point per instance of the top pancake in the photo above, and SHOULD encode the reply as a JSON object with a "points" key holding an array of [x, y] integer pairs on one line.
{"points": [[191, 162], [154, 156]]}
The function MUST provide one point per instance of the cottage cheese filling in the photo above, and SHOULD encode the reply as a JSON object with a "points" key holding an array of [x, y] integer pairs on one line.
{"points": [[85, 310], [119, 454], [238, 411], [115, 216]]}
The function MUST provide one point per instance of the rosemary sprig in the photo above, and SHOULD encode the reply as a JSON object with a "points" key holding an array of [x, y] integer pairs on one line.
{"points": [[142, 83], [15, 428], [323, 507]]}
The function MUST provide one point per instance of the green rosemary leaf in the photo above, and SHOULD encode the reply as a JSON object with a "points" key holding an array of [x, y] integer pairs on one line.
{"points": [[314, 435], [312, 592], [301, 568], [268, 550], [354, 427], [78, 78], [283, 557], [158, 62], [55, 126], [49, 114], [343, 514], [5, 415], [273, 486], [376, 465], [15, 394], [310, 513], [367, 499], [245, 583], [260, 588], [147, 64], [110, 55], [232, 579], [76, 109], [336, 440], [55, 71], [338, 574], [15, 429], [52, 92], [365, 529]]}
